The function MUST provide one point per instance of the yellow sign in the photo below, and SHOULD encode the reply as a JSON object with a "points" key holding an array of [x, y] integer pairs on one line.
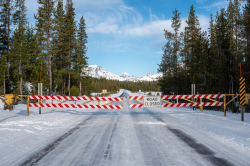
{"points": [[242, 91], [10, 100]]}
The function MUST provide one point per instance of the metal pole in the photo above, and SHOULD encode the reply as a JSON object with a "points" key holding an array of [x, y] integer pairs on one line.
{"points": [[193, 89], [40, 93], [242, 113], [28, 105], [242, 109], [225, 114]]}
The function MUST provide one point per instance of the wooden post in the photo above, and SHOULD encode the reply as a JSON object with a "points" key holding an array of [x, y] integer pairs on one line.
{"points": [[28, 105], [129, 101], [51, 101], [122, 102], [75, 101], [225, 114], [98, 102], [177, 100], [201, 107]]}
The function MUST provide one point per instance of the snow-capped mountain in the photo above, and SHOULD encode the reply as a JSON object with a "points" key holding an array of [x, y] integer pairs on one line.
{"points": [[127, 76], [98, 72], [124, 75]]}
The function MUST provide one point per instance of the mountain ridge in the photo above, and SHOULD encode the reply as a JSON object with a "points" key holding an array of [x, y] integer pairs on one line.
{"points": [[98, 72]]}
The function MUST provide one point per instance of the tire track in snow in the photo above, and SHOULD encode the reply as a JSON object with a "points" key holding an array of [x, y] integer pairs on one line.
{"points": [[109, 149], [201, 149], [40, 154]]}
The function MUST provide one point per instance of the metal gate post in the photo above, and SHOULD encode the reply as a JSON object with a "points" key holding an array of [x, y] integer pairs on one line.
{"points": [[225, 114], [28, 105]]}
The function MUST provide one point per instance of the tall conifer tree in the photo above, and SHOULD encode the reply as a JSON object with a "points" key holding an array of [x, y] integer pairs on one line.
{"points": [[6, 23], [70, 38], [80, 59], [59, 50], [19, 57], [44, 23]]}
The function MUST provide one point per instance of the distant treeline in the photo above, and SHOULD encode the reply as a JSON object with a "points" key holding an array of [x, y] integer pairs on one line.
{"points": [[113, 86]]}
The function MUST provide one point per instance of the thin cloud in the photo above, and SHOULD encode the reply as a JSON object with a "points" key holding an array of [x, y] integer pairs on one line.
{"points": [[201, 1], [216, 5]]}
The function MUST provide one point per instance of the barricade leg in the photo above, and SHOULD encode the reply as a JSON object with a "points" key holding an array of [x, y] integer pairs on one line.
{"points": [[201, 107]]}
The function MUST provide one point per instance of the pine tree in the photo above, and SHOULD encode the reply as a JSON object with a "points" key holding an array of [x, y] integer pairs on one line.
{"points": [[58, 43], [44, 25], [169, 63], [191, 37], [234, 18], [70, 39], [80, 59], [34, 60], [224, 55], [18, 54], [5, 26], [246, 35]]}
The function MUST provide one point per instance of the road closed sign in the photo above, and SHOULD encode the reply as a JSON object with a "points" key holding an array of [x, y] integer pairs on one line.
{"points": [[151, 101]]}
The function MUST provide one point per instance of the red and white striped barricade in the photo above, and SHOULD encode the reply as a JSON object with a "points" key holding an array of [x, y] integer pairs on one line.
{"points": [[192, 96], [77, 98], [204, 96], [84, 106]]}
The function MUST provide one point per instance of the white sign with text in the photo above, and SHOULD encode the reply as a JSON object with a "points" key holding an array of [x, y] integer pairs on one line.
{"points": [[151, 101]]}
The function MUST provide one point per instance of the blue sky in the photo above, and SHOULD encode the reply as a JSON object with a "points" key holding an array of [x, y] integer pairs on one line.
{"points": [[127, 35]]}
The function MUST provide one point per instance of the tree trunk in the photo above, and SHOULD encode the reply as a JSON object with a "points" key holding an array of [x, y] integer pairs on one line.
{"points": [[4, 88], [80, 88], [64, 88], [49, 62], [8, 44], [20, 62], [69, 84], [55, 89]]}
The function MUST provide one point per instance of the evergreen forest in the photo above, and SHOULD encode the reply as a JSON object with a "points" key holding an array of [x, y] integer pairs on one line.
{"points": [[53, 51], [211, 59]]}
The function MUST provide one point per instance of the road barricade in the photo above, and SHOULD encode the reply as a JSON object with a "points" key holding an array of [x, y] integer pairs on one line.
{"points": [[184, 97], [75, 98]]}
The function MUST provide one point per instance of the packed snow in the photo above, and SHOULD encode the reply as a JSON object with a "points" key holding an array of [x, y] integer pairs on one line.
{"points": [[155, 136]]}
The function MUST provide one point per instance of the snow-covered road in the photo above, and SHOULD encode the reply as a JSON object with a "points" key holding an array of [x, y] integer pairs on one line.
{"points": [[146, 136]]}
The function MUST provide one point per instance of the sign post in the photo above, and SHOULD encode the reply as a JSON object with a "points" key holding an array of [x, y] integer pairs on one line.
{"points": [[104, 91], [242, 94], [150, 101], [40, 93]]}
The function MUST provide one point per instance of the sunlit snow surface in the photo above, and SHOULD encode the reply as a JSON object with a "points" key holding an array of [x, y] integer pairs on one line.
{"points": [[123, 137]]}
